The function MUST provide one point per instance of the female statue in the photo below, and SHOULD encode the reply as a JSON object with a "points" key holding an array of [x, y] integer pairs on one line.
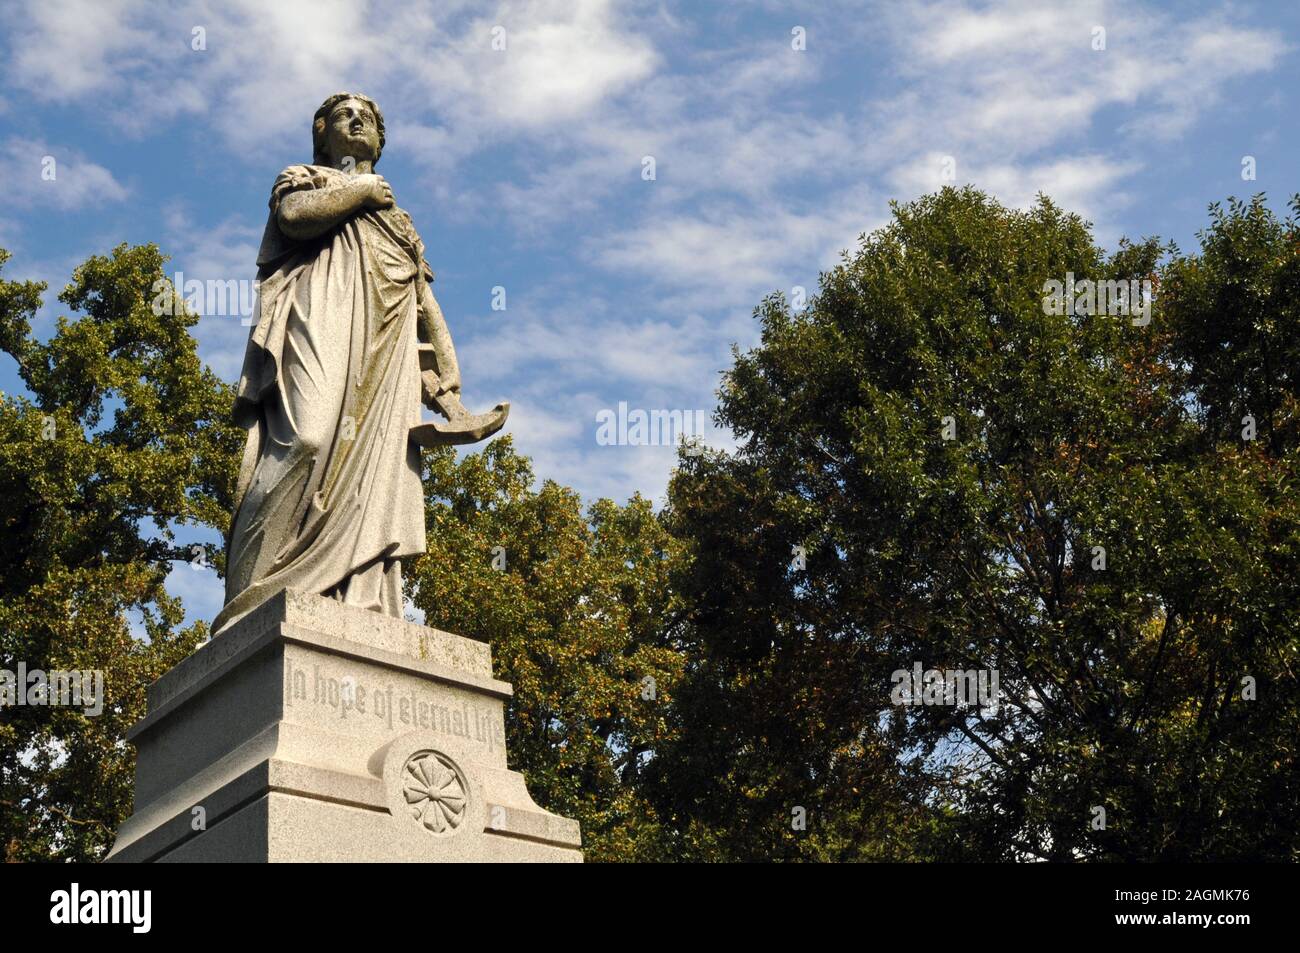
{"points": [[329, 496]]}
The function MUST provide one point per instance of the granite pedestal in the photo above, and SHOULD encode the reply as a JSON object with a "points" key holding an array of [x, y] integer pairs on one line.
{"points": [[314, 731]]}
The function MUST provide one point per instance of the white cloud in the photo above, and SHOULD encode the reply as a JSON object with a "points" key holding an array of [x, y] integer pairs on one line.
{"points": [[729, 256], [265, 67], [572, 346], [41, 174], [1014, 78], [532, 419], [1087, 183], [67, 51], [225, 252], [560, 60], [767, 164]]}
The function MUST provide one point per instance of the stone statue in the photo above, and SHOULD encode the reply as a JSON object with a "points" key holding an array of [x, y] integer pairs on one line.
{"points": [[309, 728], [347, 341]]}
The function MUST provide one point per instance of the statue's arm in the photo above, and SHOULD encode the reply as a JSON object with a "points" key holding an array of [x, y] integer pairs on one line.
{"points": [[433, 329], [312, 212]]}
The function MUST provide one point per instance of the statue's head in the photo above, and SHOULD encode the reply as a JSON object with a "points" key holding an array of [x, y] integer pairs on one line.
{"points": [[347, 124]]}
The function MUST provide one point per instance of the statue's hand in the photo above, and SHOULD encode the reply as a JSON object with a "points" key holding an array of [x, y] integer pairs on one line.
{"points": [[376, 192], [432, 386]]}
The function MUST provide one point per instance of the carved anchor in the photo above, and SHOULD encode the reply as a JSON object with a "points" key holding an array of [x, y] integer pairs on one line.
{"points": [[461, 427]]}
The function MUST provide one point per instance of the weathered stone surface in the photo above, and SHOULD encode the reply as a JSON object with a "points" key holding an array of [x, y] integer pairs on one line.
{"points": [[311, 730], [329, 498], [318, 724]]}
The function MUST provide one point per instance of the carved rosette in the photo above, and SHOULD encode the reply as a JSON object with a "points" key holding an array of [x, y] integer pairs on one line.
{"points": [[435, 792]]}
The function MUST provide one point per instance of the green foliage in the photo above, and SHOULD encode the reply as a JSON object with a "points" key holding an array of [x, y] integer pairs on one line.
{"points": [[688, 684], [125, 437], [1122, 687], [1237, 322]]}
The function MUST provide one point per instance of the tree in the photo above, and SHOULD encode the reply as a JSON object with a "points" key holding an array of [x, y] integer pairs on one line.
{"points": [[578, 611], [940, 466], [124, 436]]}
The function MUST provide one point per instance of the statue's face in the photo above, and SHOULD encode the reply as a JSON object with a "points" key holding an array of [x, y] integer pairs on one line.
{"points": [[350, 130]]}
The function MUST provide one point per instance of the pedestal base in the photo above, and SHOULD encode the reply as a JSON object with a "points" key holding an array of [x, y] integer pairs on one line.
{"points": [[314, 731]]}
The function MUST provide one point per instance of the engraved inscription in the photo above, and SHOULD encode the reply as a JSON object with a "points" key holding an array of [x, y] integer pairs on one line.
{"points": [[350, 697]]}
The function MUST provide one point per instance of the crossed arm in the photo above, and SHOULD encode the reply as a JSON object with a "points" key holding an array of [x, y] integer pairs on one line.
{"points": [[309, 213], [312, 212]]}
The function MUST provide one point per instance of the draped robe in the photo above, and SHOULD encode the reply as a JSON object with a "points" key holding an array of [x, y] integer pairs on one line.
{"points": [[329, 495]]}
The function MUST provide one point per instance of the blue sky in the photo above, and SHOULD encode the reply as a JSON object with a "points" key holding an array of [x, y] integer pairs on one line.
{"points": [[523, 167]]}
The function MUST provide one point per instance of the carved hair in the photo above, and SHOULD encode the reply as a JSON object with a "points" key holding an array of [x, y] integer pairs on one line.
{"points": [[319, 156]]}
